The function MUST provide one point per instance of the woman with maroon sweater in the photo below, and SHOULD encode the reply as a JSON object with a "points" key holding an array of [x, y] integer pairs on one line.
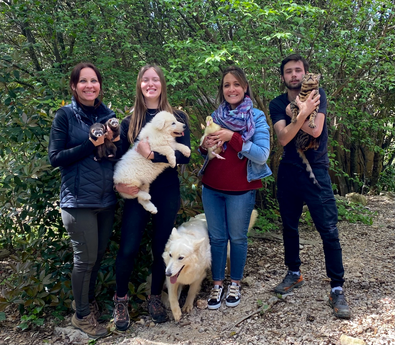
{"points": [[230, 184]]}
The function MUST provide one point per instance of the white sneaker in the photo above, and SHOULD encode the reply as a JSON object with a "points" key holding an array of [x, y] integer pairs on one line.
{"points": [[214, 301], [233, 295]]}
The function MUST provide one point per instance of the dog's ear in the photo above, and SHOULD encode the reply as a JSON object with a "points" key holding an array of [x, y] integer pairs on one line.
{"points": [[174, 233], [158, 122], [197, 244], [165, 254]]}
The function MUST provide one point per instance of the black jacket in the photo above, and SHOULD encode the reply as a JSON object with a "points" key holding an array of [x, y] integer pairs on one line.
{"points": [[86, 183]]}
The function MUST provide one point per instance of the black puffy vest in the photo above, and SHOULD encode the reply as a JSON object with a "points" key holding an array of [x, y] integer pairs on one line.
{"points": [[86, 183]]}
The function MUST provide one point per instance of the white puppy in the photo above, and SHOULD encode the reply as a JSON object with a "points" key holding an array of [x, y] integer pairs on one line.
{"points": [[135, 170], [187, 256]]}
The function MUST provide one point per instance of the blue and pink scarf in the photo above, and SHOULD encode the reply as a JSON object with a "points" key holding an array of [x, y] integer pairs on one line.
{"points": [[237, 120]]}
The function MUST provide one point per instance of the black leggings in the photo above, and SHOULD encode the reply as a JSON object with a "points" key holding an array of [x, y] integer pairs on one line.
{"points": [[89, 231], [134, 221]]}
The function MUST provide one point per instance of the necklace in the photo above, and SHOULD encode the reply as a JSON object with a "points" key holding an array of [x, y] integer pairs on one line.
{"points": [[152, 112]]}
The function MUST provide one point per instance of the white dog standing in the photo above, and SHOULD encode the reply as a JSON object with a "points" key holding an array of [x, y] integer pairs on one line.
{"points": [[135, 170], [187, 256]]}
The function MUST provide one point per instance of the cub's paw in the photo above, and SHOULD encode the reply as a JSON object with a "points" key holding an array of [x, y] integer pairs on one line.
{"points": [[312, 125]]}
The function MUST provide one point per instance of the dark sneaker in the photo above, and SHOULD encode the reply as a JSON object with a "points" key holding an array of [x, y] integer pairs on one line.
{"points": [[93, 306], [339, 304], [289, 282], [121, 313], [233, 295], [216, 294], [89, 325], [156, 309]]}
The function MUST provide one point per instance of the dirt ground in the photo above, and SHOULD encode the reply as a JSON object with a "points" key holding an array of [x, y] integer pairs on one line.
{"points": [[302, 317]]}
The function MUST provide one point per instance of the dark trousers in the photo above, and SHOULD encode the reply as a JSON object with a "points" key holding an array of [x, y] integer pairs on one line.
{"points": [[90, 231], [294, 188], [134, 222]]}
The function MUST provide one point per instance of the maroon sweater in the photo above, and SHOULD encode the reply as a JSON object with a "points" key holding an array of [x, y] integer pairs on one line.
{"points": [[229, 174]]}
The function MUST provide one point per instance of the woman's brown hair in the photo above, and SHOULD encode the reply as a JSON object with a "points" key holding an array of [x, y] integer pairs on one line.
{"points": [[239, 74], [75, 77], [140, 108]]}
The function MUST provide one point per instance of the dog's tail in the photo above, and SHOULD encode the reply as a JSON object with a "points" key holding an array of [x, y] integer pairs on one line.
{"points": [[254, 217]]}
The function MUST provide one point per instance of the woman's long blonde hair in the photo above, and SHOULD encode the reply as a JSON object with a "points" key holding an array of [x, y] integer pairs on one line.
{"points": [[140, 108]]}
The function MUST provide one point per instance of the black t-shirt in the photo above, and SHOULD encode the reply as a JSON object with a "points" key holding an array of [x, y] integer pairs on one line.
{"points": [[317, 158]]}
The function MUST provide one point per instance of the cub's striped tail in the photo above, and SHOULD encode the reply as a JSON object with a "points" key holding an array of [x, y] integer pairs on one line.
{"points": [[308, 167]]}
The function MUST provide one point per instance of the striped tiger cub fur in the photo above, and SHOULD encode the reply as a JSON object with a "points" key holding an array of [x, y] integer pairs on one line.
{"points": [[303, 140]]}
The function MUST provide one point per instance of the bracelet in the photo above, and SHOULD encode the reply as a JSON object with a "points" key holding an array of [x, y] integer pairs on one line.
{"points": [[149, 155]]}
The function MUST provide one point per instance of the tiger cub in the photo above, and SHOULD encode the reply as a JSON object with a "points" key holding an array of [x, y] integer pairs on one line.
{"points": [[303, 140]]}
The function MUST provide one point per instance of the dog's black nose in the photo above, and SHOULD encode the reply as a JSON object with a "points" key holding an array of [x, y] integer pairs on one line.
{"points": [[168, 274]]}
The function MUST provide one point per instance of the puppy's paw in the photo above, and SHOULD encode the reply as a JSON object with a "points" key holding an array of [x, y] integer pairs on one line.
{"points": [[186, 151], [187, 308], [177, 314], [172, 162], [149, 206], [144, 196]]}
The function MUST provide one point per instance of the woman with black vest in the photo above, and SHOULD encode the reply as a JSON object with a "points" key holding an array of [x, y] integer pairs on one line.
{"points": [[87, 198]]}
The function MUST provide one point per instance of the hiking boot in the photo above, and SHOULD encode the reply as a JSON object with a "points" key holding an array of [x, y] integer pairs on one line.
{"points": [[233, 295], [289, 282], [89, 325], [339, 304], [156, 309], [216, 294], [121, 313], [93, 307]]}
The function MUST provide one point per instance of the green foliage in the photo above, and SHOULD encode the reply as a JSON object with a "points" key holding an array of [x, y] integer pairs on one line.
{"points": [[306, 219], [191, 198], [268, 220], [267, 205], [40, 277], [386, 180], [353, 213], [29, 187], [347, 211], [32, 318]]}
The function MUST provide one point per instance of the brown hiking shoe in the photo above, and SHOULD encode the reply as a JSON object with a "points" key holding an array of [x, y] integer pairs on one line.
{"points": [[339, 304], [289, 282], [156, 309], [121, 313], [93, 307], [89, 325]]}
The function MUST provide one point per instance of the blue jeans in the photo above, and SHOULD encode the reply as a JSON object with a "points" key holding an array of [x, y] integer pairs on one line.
{"points": [[295, 187], [228, 217]]}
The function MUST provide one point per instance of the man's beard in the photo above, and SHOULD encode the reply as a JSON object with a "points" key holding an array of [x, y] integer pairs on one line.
{"points": [[293, 86]]}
